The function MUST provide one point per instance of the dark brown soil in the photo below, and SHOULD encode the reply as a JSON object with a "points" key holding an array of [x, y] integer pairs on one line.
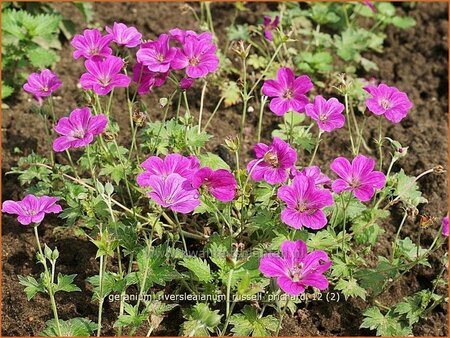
{"points": [[414, 60]]}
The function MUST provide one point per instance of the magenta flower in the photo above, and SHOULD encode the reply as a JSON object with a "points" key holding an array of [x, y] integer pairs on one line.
{"points": [[269, 26], [304, 203], [91, 45], [103, 76], [186, 167], [42, 84], [327, 114], [147, 79], [78, 130], [296, 269], [272, 162], [197, 56], [219, 183], [186, 83], [174, 192], [32, 209], [180, 35], [357, 177], [157, 55], [388, 101], [124, 36], [445, 226], [288, 92], [320, 179]]}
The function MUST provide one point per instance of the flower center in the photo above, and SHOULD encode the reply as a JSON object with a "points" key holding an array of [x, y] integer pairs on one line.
{"points": [[354, 183], [78, 133], [104, 81], [295, 273], [302, 206], [385, 103], [288, 94], [271, 159], [160, 57], [168, 200], [45, 89], [94, 51], [323, 117], [194, 61]]}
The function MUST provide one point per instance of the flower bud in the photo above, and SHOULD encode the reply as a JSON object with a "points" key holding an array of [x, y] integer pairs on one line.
{"points": [[186, 83], [240, 49], [426, 221], [232, 143]]}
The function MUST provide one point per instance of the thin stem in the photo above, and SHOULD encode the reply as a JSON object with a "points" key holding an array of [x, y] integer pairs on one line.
{"points": [[230, 277], [202, 99], [316, 147], [101, 297], [108, 107], [261, 113], [394, 245], [348, 123], [71, 163], [380, 142], [245, 98], [283, 313], [181, 232], [50, 286], [214, 112]]}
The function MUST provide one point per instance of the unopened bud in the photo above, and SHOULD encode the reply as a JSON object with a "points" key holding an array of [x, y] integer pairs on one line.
{"points": [[232, 143], [241, 49], [108, 136]]}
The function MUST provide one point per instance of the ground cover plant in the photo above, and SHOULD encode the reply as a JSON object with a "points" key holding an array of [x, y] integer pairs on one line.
{"points": [[236, 244]]}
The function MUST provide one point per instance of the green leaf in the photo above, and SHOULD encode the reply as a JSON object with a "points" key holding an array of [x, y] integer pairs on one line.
{"points": [[65, 283], [408, 249], [199, 267], [41, 58], [248, 323], [385, 325], [231, 93], [213, 161], [32, 286], [403, 22], [132, 317], [200, 321], [6, 90], [407, 190], [322, 240], [350, 288], [375, 279], [238, 32], [75, 327], [115, 171]]}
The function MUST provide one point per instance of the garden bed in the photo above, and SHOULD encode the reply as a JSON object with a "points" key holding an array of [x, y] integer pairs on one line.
{"points": [[414, 60]]}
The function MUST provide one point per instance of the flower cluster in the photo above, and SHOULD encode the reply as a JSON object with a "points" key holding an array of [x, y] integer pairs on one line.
{"points": [[176, 182]]}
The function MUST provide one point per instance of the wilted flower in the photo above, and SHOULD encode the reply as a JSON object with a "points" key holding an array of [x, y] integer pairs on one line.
{"points": [[180, 35], [272, 161], [147, 79], [219, 183], [304, 201], [78, 130], [91, 45], [288, 92], [32, 209], [327, 114], [197, 56], [314, 172], [388, 101], [124, 36], [186, 83], [174, 192], [42, 84], [186, 167], [296, 269], [269, 26], [103, 76], [357, 177], [157, 55], [445, 226]]}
